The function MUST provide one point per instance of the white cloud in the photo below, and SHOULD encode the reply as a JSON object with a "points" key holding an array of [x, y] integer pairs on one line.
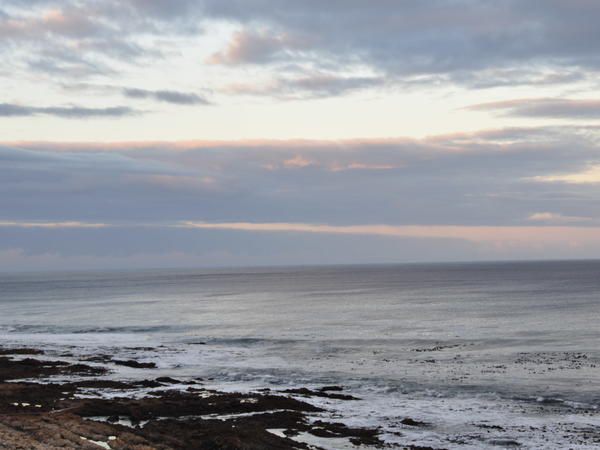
{"points": [[590, 175], [549, 217]]}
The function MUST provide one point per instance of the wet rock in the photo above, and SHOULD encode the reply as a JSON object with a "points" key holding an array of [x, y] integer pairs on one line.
{"points": [[180, 404], [168, 380], [331, 388], [420, 447], [33, 368], [504, 442], [134, 364], [32, 397], [43, 416], [490, 427], [148, 384], [104, 384], [215, 434], [413, 423], [358, 436], [320, 393], [20, 351]]}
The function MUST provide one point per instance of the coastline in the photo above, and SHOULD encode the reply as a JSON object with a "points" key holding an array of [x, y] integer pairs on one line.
{"points": [[51, 404]]}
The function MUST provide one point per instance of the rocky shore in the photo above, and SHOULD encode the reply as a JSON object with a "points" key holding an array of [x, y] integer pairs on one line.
{"points": [[49, 403]]}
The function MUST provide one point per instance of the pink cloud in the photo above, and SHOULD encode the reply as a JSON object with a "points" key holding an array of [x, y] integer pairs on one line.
{"points": [[248, 46], [492, 235]]}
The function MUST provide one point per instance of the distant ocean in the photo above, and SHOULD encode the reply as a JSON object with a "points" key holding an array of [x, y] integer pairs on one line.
{"points": [[489, 354]]}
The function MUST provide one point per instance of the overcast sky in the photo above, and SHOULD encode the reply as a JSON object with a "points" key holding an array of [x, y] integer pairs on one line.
{"points": [[184, 133]]}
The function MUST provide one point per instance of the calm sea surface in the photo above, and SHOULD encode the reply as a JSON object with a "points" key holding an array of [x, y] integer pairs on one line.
{"points": [[461, 346]]}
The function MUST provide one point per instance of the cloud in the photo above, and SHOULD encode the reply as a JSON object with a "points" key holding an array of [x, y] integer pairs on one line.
{"points": [[50, 22], [175, 97], [511, 77], [363, 166], [297, 162], [476, 195], [486, 178], [250, 46], [51, 225], [311, 85], [589, 175], [478, 234], [19, 259], [549, 217], [545, 108], [194, 249], [478, 43], [242, 244], [67, 112], [509, 41]]}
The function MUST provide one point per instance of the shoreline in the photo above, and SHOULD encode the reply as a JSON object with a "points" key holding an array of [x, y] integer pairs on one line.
{"points": [[50, 403]]}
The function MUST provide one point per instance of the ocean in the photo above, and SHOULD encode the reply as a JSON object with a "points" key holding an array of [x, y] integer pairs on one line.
{"points": [[489, 355]]}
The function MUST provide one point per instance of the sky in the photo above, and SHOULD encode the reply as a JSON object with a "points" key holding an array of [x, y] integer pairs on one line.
{"points": [[201, 133]]}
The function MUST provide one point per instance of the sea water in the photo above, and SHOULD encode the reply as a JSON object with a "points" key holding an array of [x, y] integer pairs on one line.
{"points": [[489, 355]]}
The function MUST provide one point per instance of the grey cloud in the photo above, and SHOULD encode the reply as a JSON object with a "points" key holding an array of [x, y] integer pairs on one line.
{"points": [[307, 86], [47, 249], [69, 69], [469, 179], [324, 84], [68, 112], [481, 43], [61, 61], [545, 107], [483, 178], [513, 77], [165, 10], [250, 46], [47, 35], [82, 160], [69, 23], [176, 97], [430, 37]]}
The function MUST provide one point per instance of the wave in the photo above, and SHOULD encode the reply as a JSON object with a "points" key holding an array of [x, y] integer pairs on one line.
{"points": [[73, 329]]}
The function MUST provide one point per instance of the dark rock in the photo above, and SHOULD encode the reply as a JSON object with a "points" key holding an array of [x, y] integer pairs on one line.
{"points": [[20, 351], [420, 447], [331, 388], [134, 364], [490, 427], [504, 442], [320, 393], [148, 384], [413, 423], [32, 368], [36, 416], [168, 380]]}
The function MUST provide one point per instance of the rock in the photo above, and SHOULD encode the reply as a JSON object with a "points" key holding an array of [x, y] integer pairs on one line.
{"points": [[134, 364], [413, 423]]}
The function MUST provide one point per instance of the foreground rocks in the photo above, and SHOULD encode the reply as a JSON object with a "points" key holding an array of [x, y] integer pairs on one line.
{"points": [[37, 412]]}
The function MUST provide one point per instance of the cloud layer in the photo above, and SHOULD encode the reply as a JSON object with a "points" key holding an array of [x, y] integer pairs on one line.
{"points": [[230, 132], [309, 44], [490, 194], [545, 108]]}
